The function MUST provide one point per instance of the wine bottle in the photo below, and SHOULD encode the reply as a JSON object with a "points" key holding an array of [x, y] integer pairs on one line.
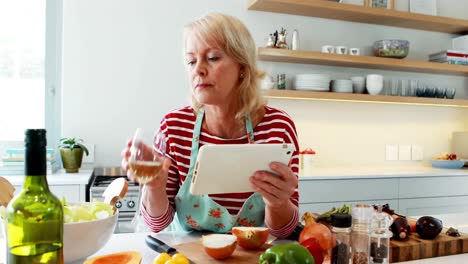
{"points": [[35, 216]]}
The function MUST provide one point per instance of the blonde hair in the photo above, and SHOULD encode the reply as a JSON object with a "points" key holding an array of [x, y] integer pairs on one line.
{"points": [[230, 35]]}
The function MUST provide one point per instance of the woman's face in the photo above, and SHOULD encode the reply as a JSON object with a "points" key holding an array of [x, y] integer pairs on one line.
{"points": [[212, 73]]}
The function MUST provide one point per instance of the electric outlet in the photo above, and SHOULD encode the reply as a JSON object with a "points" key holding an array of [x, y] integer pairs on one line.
{"points": [[90, 157], [416, 152], [404, 152], [391, 152]]}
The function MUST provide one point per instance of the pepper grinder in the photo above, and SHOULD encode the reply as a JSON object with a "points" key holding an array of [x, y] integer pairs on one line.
{"points": [[380, 237]]}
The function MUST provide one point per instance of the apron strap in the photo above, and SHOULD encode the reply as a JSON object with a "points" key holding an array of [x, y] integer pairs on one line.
{"points": [[196, 140], [249, 128]]}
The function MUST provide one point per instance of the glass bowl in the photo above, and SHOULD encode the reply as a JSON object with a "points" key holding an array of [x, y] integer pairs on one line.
{"points": [[391, 48]]}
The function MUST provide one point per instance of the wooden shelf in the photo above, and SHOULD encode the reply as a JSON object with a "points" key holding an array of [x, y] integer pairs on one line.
{"points": [[366, 98], [313, 57], [354, 13]]}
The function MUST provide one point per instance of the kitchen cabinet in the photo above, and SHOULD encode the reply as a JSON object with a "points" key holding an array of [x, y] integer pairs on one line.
{"points": [[354, 13], [421, 195], [321, 195]]}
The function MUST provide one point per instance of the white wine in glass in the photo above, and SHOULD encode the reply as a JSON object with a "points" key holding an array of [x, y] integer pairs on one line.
{"points": [[146, 155]]}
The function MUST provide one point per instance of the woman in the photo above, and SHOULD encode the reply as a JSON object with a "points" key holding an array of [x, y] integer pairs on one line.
{"points": [[226, 109]]}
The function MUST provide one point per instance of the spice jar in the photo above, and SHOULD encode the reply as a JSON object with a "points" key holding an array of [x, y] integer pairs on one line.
{"points": [[360, 233], [341, 229], [281, 81], [307, 157], [380, 237]]}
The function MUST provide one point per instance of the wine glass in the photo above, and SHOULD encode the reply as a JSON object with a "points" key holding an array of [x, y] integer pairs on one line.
{"points": [[146, 155]]}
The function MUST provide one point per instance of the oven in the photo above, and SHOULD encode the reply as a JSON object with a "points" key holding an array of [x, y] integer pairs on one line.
{"points": [[128, 206]]}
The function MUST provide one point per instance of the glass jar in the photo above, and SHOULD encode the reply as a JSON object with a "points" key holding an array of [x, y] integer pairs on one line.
{"points": [[341, 229], [360, 233]]}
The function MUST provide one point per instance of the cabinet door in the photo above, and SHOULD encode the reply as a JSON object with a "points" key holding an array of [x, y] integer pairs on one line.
{"points": [[325, 191], [433, 206], [73, 193], [433, 187]]}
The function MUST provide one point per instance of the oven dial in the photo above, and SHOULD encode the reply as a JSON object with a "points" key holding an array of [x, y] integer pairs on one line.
{"points": [[118, 204], [131, 204]]}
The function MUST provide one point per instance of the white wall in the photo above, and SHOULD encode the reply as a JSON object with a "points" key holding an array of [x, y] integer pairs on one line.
{"points": [[123, 68]]}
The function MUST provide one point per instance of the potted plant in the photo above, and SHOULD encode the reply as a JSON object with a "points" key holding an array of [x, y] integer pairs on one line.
{"points": [[71, 152]]}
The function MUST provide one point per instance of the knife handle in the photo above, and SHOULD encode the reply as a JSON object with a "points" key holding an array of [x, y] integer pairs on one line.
{"points": [[159, 246]]}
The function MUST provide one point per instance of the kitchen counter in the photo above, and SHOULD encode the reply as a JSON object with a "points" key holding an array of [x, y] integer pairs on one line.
{"points": [[383, 171], [136, 242], [58, 178]]}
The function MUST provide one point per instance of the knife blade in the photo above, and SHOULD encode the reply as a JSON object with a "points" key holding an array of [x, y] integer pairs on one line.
{"points": [[161, 247]]}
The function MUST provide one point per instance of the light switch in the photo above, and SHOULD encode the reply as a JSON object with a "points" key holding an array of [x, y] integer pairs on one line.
{"points": [[416, 152], [391, 152], [404, 152]]}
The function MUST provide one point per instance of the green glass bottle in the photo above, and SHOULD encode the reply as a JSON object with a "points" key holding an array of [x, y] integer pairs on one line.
{"points": [[35, 216]]}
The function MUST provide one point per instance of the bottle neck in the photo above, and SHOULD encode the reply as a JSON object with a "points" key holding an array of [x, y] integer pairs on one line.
{"points": [[36, 183], [35, 167]]}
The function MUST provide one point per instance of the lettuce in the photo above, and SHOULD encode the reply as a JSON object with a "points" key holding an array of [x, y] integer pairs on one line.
{"points": [[86, 211]]}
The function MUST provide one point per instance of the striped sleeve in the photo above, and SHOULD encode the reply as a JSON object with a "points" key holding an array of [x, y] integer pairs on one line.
{"points": [[286, 230], [158, 224]]}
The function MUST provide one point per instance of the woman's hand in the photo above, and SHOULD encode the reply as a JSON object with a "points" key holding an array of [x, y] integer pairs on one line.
{"points": [[275, 190], [160, 180]]}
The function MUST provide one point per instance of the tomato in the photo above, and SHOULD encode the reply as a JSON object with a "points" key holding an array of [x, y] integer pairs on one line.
{"points": [[318, 231], [312, 244]]}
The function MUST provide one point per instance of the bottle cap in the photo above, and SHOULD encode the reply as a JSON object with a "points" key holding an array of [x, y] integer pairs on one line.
{"points": [[37, 137], [341, 220]]}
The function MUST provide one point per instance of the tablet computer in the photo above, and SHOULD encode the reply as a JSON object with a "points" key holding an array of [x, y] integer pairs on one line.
{"points": [[227, 168]]}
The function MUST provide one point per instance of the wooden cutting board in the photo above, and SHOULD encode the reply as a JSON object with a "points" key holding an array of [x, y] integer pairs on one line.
{"points": [[195, 252], [418, 248]]}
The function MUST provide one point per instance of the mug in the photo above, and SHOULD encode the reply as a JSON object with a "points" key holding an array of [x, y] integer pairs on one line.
{"points": [[354, 51], [359, 84], [374, 83], [342, 50], [328, 49]]}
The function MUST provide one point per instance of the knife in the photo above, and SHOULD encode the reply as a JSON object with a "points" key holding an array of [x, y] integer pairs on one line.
{"points": [[161, 247]]}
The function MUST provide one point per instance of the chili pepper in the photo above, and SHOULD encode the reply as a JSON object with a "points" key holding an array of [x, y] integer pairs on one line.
{"points": [[289, 253]]}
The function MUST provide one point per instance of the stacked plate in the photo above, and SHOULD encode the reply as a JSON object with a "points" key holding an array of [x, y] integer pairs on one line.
{"points": [[342, 86], [312, 82]]}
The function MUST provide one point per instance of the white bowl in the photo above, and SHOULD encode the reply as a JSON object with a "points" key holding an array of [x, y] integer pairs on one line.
{"points": [[82, 239]]}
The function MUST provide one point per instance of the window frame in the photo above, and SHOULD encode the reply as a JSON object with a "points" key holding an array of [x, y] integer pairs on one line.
{"points": [[52, 77]]}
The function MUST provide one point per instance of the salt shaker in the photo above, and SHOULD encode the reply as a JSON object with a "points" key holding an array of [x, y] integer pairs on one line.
{"points": [[295, 40]]}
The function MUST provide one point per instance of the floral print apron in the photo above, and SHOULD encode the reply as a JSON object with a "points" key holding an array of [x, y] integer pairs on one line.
{"points": [[200, 212]]}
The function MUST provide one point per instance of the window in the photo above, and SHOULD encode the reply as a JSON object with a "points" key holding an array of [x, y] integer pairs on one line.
{"points": [[28, 67]]}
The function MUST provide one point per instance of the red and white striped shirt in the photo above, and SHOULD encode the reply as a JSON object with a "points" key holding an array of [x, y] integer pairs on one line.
{"points": [[275, 127]]}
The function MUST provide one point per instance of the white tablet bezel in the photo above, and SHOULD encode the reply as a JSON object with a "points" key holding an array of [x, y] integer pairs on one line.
{"points": [[227, 168]]}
